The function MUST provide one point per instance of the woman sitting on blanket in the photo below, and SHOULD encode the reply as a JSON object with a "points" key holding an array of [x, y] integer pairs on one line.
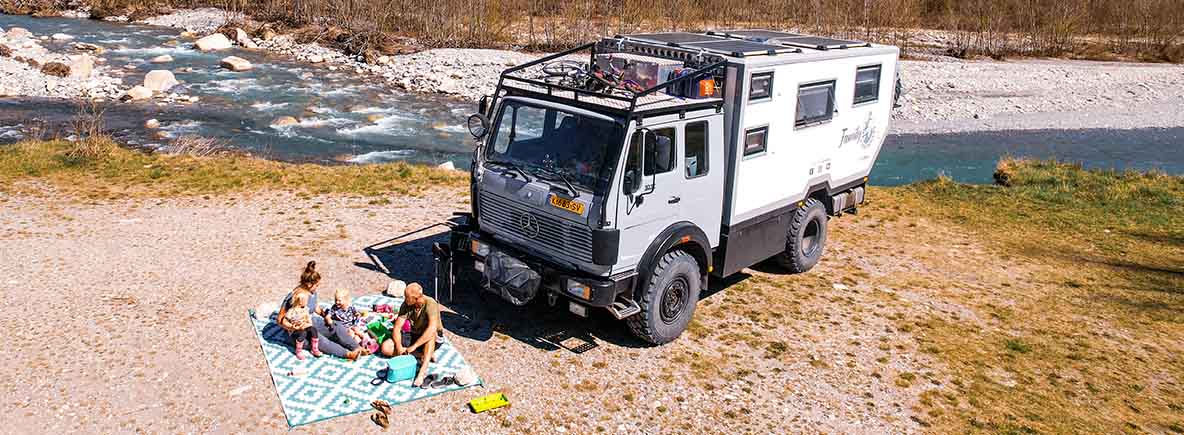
{"points": [[331, 338]]}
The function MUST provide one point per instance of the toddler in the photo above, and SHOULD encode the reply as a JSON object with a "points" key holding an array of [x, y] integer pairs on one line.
{"points": [[349, 317], [301, 322]]}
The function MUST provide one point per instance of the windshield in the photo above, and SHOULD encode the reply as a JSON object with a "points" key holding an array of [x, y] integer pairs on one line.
{"points": [[554, 145]]}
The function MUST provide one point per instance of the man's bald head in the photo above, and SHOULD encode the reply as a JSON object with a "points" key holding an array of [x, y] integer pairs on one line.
{"points": [[413, 294]]}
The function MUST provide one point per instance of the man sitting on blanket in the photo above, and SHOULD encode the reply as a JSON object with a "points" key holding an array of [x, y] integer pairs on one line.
{"points": [[426, 333]]}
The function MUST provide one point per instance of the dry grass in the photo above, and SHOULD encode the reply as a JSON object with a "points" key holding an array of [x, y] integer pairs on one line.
{"points": [[98, 168]]}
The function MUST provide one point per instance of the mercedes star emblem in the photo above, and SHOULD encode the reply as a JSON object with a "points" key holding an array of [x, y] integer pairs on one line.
{"points": [[529, 225]]}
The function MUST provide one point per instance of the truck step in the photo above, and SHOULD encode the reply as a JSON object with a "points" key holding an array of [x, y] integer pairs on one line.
{"points": [[623, 309]]}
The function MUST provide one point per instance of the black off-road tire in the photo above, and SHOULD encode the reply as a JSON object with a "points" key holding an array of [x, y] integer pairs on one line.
{"points": [[806, 240], [668, 300]]}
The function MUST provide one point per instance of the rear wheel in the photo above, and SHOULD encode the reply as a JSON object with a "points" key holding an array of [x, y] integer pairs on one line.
{"points": [[668, 300], [806, 239]]}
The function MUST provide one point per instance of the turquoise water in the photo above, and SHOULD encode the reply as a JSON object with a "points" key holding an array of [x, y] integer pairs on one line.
{"points": [[334, 108]]}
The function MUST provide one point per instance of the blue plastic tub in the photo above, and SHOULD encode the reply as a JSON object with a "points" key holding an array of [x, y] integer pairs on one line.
{"points": [[401, 368]]}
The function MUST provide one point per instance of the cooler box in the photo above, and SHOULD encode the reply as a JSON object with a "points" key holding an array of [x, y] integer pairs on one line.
{"points": [[647, 71], [401, 368]]}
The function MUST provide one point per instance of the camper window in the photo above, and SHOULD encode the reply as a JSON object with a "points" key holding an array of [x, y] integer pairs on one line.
{"points": [[755, 140], [762, 86], [816, 103], [867, 84], [659, 151], [695, 158]]}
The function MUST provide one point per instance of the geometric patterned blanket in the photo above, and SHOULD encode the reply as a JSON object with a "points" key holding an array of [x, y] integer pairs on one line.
{"points": [[329, 387]]}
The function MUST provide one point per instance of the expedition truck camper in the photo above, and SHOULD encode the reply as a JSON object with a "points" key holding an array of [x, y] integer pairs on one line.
{"points": [[620, 175]]}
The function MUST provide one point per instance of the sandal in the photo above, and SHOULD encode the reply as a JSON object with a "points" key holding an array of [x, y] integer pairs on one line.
{"points": [[443, 382], [381, 406], [428, 381], [381, 420]]}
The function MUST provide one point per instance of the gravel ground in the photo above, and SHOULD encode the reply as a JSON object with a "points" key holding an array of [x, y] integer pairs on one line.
{"points": [[153, 295], [18, 78]]}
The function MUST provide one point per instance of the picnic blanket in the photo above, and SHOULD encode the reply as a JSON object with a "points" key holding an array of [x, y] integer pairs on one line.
{"points": [[333, 387]]}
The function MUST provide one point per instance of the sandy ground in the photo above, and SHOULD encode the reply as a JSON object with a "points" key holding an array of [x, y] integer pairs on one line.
{"points": [[153, 297]]}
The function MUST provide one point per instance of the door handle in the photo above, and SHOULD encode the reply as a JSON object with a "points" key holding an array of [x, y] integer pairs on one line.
{"points": [[673, 200]]}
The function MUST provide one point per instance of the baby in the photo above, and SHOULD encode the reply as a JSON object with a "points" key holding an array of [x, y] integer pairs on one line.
{"points": [[298, 318], [345, 314]]}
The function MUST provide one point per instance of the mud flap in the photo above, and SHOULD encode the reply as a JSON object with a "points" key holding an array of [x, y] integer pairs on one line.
{"points": [[511, 278]]}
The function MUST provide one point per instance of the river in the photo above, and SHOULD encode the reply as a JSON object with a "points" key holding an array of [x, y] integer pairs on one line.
{"points": [[346, 117]]}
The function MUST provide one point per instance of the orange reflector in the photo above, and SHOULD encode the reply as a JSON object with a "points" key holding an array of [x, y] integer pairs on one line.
{"points": [[684, 239], [706, 87]]}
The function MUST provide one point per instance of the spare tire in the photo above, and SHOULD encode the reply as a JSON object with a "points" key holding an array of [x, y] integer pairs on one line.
{"points": [[806, 239], [511, 278]]}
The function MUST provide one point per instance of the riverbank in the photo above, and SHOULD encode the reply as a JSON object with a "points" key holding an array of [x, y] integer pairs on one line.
{"points": [[1059, 316]]}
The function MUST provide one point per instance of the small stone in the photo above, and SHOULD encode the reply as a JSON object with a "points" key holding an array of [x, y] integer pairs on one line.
{"points": [[138, 93], [374, 117], [18, 33], [235, 63], [56, 69], [243, 39], [160, 80], [448, 166], [61, 37], [164, 58], [316, 59], [284, 120], [840, 287], [152, 123]]}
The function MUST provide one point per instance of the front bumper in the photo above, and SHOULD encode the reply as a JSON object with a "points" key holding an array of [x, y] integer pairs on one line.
{"points": [[593, 291]]}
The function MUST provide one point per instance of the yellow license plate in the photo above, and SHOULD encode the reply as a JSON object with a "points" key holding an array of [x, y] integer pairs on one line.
{"points": [[568, 204]]}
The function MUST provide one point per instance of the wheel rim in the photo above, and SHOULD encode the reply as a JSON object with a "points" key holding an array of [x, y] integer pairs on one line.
{"points": [[674, 299], [810, 238]]}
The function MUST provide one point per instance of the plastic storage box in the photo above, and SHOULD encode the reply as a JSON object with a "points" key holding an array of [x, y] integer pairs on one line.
{"points": [[401, 368]]}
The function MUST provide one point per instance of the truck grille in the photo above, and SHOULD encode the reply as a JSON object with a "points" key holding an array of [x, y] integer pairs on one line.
{"points": [[563, 237]]}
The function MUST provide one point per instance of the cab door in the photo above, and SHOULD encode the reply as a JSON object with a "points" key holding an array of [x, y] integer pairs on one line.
{"points": [[701, 156], [650, 192]]}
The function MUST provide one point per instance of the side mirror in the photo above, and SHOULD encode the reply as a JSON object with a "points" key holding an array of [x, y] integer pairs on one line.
{"points": [[483, 105], [630, 182], [478, 125]]}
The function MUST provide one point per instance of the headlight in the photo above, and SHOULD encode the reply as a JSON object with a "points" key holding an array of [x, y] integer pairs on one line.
{"points": [[579, 289], [478, 248]]}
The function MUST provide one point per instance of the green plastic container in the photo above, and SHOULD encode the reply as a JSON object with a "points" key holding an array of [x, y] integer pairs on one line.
{"points": [[380, 329], [401, 368]]}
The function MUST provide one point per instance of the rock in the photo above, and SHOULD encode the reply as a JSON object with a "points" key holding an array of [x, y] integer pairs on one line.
{"points": [[81, 66], [268, 34], [138, 93], [56, 69], [284, 120], [164, 58], [235, 63], [171, 43], [18, 33], [129, 67], [374, 117], [316, 59], [448, 166], [213, 42], [152, 123], [193, 99], [384, 60], [61, 37], [160, 80], [188, 35], [5, 51], [83, 46], [243, 39]]}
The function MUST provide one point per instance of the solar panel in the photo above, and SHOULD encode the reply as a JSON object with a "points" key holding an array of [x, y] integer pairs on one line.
{"points": [[818, 43], [759, 35], [739, 48], [674, 37]]}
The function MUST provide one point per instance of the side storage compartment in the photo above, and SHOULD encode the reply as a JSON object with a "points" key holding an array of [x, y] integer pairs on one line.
{"points": [[751, 242]]}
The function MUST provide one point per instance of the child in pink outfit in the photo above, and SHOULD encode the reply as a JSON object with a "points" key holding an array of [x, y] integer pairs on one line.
{"points": [[298, 316]]}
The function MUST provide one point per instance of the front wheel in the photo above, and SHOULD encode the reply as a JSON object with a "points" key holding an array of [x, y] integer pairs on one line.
{"points": [[668, 300], [806, 238]]}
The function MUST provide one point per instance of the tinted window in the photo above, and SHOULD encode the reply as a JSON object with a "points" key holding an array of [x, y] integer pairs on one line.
{"points": [[755, 140], [867, 84], [816, 103], [545, 142], [695, 155], [762, 86]]}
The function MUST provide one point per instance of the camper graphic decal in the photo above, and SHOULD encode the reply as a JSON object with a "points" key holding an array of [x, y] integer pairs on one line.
{"points": [[865, 134]]}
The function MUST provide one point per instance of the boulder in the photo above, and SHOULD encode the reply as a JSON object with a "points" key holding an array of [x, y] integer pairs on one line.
{"points": [[284, 120], [61, 37], [374, 117], [213, 42], [268, 34], [18, 33], [81, 66], [138, 93], [56, 69], [164, 58], [83, 46], [235, 63], [5, 51], [152, 123], [316, 59], [243, 39], [160, 80], [448, 166]]}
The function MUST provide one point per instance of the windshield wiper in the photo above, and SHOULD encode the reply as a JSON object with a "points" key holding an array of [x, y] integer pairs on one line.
{"points": [[570, 187], [510, 165]]}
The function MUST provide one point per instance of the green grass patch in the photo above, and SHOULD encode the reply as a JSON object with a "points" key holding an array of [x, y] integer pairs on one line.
{"points": [[105, 170]]}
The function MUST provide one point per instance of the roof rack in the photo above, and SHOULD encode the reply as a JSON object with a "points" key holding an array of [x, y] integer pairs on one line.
{"points": [[515, 81], [774, 37]]}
